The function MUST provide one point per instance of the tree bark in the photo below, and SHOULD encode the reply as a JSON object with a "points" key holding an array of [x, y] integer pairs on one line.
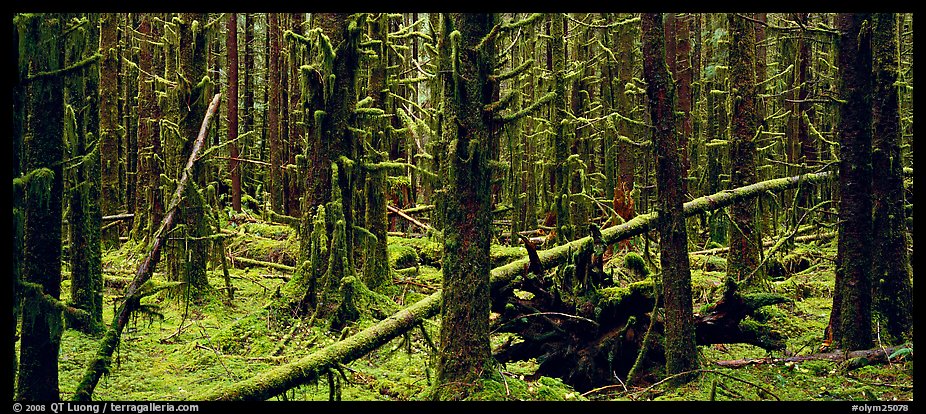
{"points": [[44, 150], [111, 200], [231, 47], [891, 272], [149, 208], [189, 264], [560, 178], [744, 232], [464, 341], [273, 115], [681, 352], [850, 318]]}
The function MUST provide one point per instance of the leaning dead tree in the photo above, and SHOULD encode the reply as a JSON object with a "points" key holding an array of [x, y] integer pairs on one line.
{"points": [[139, 287], [503, 279]]}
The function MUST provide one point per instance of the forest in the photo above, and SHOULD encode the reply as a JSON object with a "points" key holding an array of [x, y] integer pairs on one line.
{"points": [[462, 206]]}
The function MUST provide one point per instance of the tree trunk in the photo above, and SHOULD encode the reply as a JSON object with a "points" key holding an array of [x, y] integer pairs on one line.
{"points": [[681, 352], [891, 272], [249, 86], [111, 200], [560, 178], [464, 345], [296, 136], [148, 205], [850, 318], [682, 71], [275, 187], [376, 272], [44, 150], [231, 47], [744, 233], [81, 128], [193, 252], [129, 120]]}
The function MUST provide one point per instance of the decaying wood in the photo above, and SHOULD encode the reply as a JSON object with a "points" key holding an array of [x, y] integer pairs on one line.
{"points": [[251, 262], [287, 376], [643, 223], [277, 380], [770, 243], [409, 218], [871, 356], [101, 361], [116, 217]]}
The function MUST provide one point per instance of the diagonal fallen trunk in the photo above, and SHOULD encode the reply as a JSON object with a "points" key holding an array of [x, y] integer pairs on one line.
{"points": [[285, 377], [133, 293]]}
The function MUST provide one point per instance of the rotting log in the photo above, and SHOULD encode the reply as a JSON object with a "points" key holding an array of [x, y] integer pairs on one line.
{"points": [[252, 262], [870, 356], [277, 380], [643, 223], [117, 217], [280, 379], [409, 218], [132, 298], [770, 243]]}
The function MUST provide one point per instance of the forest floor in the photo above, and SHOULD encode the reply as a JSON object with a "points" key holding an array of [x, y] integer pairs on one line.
{"points": [[198, 347]]}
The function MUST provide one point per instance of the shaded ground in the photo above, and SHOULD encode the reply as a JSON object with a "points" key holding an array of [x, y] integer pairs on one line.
{"points": [[193, 349]]}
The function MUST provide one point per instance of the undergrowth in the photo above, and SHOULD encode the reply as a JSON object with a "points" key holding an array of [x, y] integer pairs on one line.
{"points": [[200, 347]]}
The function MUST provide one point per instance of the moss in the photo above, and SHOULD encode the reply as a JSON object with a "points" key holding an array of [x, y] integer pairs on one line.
{"points": [[511, 388], [402, 256], [501, 255], [429, 252], [634, 263]]}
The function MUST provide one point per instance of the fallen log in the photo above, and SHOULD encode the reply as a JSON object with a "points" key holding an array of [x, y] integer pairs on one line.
{"points": [[288, 376], [770, 243], [419, 209], [643, 223], [116, 217], [252, 262], [100, 363], [409, 218], [277, 380], [871, 356]]}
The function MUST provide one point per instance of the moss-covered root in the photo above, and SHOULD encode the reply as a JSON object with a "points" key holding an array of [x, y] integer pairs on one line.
{"points": [[285, 377]]}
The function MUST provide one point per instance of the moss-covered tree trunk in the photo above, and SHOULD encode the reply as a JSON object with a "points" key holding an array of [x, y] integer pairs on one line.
{"points": [[560, 178], [296, 136], [275, 185], [343, 33], [376, 271], [745, 242], [80, 131], [464, 339], [249, 85], [129, 119], [680, 66], [681, 352], [18, 67], [44, 148], [891, 272], [111, 201], [850, 317], [231, 47], [808, 146], [149, 208], [191, 250]]}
